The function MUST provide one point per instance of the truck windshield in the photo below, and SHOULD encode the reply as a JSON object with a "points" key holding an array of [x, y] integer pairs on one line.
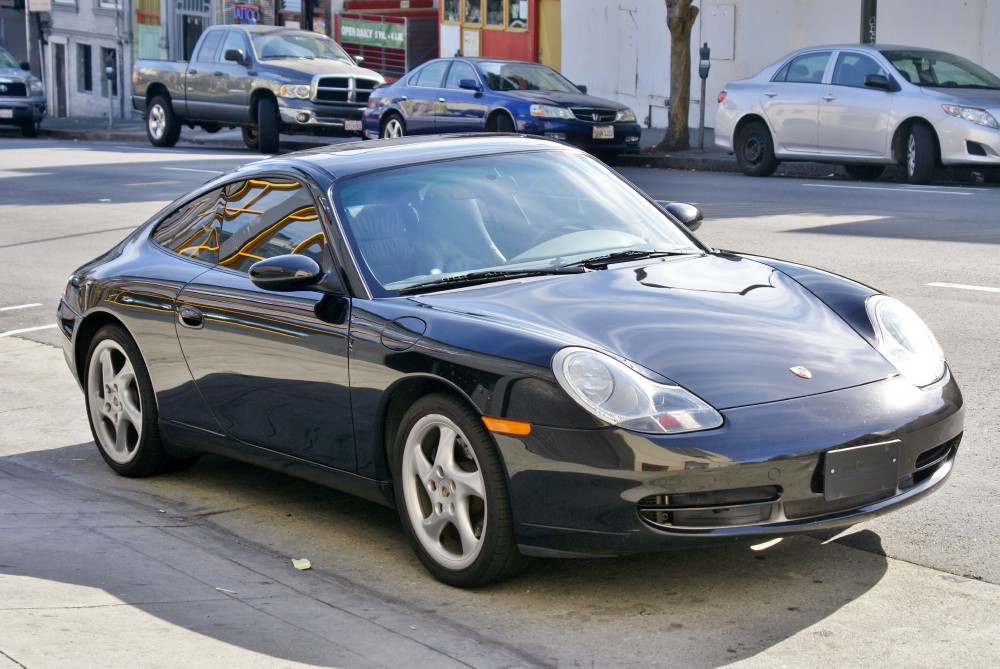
{"points": [[298, 45]]}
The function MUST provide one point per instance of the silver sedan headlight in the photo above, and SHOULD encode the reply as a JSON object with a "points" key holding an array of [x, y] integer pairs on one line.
{"points": [[301, 91], [977, 116], [617, 394], [625, 116], [551, 111], [905, 340]]}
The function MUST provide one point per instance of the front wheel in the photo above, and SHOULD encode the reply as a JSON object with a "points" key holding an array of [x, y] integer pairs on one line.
{"points": [[393, 127], [452, 494], [162, 126], [920, 154], [267, 126], [755, 150], [121, 407]]}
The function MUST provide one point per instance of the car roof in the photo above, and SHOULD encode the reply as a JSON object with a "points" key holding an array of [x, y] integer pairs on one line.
{"points": [[866, 47], [343, 160]]}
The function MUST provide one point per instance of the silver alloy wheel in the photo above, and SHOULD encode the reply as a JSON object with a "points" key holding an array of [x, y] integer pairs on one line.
{"points": [[115, 405], [444, 491], [393, 128], [911, 154], [157, 121]]}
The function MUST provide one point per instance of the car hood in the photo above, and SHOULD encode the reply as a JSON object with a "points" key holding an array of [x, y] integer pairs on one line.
{"points": [[299, 67], [565, 99], [969, 97], [729, 329], [15, 74]]}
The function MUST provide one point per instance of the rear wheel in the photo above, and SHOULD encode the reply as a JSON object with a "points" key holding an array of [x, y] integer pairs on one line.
{"points": [[864, 172], [267, 126], [393, 127], [162, 126], [250, 137], [755, 150], [451, 494], [921, 154]]}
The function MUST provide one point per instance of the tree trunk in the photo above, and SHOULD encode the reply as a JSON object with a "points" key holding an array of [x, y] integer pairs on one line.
{"points": [[680, 19]]}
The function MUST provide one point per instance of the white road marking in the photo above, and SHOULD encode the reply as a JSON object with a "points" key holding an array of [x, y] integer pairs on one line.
{"points": [[962, 286], [191, 169], [905, 189], [22, 331], [21, 306]]}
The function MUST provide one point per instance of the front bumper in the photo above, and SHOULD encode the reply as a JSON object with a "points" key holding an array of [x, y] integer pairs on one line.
{"points": [[582, 135], [966, 143], [309, 117], [14, 111], [593, 492]]}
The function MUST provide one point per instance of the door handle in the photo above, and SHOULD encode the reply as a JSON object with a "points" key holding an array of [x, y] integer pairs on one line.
{"points": [[192, 71], [219, 74], [190, 317], [829, 97], [771, 94]]}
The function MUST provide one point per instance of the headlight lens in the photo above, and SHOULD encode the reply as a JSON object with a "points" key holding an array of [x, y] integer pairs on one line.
{"points": [[905, 340], [35, 87], [625, 116], [978, 116], [301, 91], [550, 111], [619, 395]]}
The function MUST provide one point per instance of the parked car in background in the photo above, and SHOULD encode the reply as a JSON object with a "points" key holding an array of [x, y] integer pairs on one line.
{"points": [[509, 343], [22, 96], [865, 107], [488, 95], [263, 79]]}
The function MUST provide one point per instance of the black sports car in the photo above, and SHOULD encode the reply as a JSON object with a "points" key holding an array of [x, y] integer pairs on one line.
{"points": [[513, 346]]}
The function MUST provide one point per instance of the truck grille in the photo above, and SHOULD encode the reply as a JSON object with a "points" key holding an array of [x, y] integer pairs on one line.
{"points": [[13, 89], [344, 89], [594, 115]]}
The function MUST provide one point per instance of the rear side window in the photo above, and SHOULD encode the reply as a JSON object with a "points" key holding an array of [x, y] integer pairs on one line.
{"points": [[431, 75], [246, 221], [807, 68]]}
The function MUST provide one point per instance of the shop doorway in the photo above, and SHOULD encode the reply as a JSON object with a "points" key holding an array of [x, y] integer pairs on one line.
{"points": [[550, 34], [59, 78]]}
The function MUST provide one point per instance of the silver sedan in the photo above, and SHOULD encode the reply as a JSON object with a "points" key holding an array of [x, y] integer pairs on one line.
{"points": [[865, 107]]}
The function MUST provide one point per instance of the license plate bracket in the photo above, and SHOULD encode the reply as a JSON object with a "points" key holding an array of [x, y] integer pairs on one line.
{"points": [[6, 113], [861, 470]]}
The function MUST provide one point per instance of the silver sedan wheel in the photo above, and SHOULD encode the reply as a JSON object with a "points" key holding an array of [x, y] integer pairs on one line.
{"points": [[393, 128], [115, 404], [444, 492], [157, 121], [911, 154]]}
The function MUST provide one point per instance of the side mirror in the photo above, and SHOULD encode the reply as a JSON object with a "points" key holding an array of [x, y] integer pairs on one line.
{"points": [[688, 214], [26, 66], [235, 55], [583, 89], [287, 273], [879, 81], [469, 85], [359, 60]]}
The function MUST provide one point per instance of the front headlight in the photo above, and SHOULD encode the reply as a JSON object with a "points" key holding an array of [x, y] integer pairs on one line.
{"points": [[978, 116], [36, 88], [301, 91], [550, 111], [619, 395], [905, 340], [625, 116]]}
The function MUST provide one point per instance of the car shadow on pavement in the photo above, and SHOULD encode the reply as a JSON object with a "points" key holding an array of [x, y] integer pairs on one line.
{"points": [[208, 550]]}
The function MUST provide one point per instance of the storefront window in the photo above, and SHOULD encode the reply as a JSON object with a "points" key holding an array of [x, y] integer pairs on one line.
{"points": [[495, 13], [452, 11], [518, 14], [473, 11]]}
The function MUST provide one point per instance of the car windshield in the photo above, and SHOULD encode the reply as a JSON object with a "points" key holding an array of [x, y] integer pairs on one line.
{"points": [[7, 61], [488, 218], [502, 76], [938, 69], [297, 45]]}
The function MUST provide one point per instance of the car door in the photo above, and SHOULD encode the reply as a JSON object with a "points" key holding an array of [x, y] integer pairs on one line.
{"points": [[231, 97], [464, 109], [272, 366], [791, 102], [854, 118], [421, 101], [201, 83]]}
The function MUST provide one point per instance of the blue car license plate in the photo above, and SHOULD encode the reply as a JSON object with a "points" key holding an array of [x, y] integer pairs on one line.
{"points": [[604, 132], [861, 470]]}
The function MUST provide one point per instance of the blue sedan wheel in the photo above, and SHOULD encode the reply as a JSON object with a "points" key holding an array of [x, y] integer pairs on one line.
{"points": [[393, 127], [452, 495]]}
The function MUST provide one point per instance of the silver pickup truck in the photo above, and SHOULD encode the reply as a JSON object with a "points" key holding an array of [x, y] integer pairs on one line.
{"points": [[265, 80]]}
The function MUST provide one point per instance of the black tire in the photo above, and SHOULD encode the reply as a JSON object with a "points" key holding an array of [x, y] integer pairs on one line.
{"points": [[121, 407], [250, 137], [755, 150], [29, 129], [864, 172], [267, 126], [162, 126], [393, 126], [921, 154], [505, 123], [453, 503]]}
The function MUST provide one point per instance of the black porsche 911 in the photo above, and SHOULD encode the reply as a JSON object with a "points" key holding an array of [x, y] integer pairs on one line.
{"points": [[513, 346]]}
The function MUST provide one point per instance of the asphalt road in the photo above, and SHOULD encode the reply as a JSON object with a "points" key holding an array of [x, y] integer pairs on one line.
{"points": [[132, 559]]}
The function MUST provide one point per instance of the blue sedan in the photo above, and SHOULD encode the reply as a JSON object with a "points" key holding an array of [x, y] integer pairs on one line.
{"points": [[450, 95]]}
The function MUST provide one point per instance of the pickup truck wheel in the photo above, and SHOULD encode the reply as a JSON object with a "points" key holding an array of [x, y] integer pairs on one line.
{"points": [[250, 137], [162, 126], [267, 126]]}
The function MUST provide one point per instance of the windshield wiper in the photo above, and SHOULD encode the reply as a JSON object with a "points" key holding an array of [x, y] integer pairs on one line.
{"points": [[488, 276], [602, 261]]}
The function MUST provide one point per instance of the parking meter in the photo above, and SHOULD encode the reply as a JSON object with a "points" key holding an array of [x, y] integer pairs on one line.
{"points": [[704, 62]]}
